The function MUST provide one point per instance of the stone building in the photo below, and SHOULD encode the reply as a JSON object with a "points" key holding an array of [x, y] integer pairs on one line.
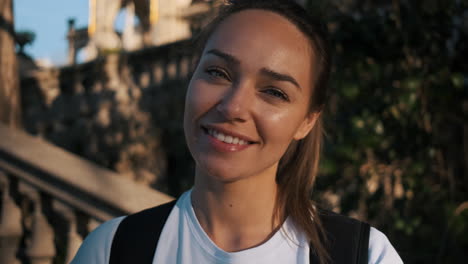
{"points": [[147, 23]]}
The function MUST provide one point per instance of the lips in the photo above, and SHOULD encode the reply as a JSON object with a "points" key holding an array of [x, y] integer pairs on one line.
{"points": [[224, 140], [215, 130]]}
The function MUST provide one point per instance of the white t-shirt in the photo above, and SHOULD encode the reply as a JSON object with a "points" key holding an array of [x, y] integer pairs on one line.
{"points": [[184, 241]]}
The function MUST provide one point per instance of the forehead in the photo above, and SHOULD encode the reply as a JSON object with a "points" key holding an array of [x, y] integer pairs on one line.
{"points": [[260, 38]]}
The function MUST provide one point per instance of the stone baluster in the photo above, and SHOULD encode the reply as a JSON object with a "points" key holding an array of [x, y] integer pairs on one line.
{"points": [[184, 67], [158, 73], [10, 224], [40, 248], [178, 66], [171, 69], [93, 224], [74, 240]]}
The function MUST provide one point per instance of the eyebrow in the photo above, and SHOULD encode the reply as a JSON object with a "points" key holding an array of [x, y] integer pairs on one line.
{"points": [[279, 77], [227, 57], [264, 71]]}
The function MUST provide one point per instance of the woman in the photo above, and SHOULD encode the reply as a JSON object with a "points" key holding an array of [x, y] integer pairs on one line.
{"points": [[253, 125]]}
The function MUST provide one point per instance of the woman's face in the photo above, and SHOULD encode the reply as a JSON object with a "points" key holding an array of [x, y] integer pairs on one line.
{"points": [[249, 96]]}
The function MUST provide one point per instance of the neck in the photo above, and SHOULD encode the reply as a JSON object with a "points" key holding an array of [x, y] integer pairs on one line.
{"points": [[239, 214]]}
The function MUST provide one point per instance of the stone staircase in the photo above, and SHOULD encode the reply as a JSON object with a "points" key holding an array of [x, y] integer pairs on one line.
{"points": [[51, 199]]}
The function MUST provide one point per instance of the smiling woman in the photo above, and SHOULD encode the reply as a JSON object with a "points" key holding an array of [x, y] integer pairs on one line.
{"points": [[253, 125], [245, 89]]}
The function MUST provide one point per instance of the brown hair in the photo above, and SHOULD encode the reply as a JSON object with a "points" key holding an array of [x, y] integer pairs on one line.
{"points": [[299, 165]]}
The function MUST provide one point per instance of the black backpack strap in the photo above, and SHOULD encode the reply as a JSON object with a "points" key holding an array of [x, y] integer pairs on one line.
{"points": [[348, 239], [137, 236]]}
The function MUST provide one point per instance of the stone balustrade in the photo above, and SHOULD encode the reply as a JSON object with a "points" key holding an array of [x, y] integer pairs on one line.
{"points": [[51, 199], [122, 111]]}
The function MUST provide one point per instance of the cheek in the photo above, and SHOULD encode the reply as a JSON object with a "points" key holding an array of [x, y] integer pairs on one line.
{"points": [[279, 127], [200, 100], [191, 109]]}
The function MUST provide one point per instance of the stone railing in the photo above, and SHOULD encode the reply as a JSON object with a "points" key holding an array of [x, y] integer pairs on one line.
{"points": [[123, 111], [51, 199]]}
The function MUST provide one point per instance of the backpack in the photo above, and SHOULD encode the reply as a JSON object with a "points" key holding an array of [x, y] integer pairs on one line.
{"points": [[136, 238]]}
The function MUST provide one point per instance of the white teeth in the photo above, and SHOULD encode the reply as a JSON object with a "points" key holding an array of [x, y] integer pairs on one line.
{"points": [[225, 138]]}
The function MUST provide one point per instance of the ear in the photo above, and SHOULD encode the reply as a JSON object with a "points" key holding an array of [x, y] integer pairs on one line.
{"points": [[307, 125]]}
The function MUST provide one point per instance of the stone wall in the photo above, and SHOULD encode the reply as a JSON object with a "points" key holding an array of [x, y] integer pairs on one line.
{"points": [[123, 111]]}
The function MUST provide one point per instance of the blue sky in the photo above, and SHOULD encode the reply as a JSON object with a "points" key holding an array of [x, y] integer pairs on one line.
{"points": [[48, 19]]}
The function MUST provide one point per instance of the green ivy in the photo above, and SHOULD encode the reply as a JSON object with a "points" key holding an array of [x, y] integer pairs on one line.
{"points": [[397, 122]]}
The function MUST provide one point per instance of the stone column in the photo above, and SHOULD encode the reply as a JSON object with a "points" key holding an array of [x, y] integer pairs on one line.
{"points": [[10, 100], [74, 240], [105, 37], [170, 26], [71, 42], [130, 39], [40, 247], [10, 224]]}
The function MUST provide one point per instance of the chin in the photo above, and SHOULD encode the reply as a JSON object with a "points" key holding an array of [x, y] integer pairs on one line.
{"points": [[221, 175], [216, 170]]}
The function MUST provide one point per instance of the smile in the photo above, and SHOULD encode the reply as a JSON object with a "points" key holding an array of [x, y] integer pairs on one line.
{"points": [[226, 138]]}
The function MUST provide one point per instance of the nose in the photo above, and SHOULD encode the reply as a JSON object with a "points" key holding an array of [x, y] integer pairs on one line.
{"points": [[236, 103]]}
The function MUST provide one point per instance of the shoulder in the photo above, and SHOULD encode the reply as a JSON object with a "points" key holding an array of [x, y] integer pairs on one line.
{"points": [[345, 238], [96, 247], [342, 231], [149, 215], [381, 250], [138, 234]]}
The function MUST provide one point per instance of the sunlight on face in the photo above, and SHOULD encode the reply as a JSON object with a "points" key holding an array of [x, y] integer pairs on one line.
{"points": [[249, 96]]}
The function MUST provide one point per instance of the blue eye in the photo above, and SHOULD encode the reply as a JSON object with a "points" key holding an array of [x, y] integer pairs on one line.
{"points": [[276, 93]]}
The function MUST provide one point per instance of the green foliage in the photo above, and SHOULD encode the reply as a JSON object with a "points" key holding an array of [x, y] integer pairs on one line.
{"points": [[397, 122]]}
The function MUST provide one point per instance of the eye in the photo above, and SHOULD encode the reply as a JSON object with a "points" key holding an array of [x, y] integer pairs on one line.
{"points": [[277, 93], [216, 72]]}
